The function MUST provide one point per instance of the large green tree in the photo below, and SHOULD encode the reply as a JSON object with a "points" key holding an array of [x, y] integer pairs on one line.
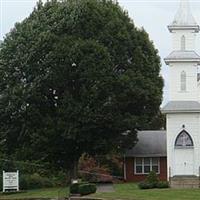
{"points": [[76, 76]]}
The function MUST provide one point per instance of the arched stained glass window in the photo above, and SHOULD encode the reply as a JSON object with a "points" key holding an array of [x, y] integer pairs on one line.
{"points": [[184, 140], [183, 81], [183, 43]]}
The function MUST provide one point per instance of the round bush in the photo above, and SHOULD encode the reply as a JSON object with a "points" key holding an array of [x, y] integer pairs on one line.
{"points": [[74, 188], [86, 189], [145, 185], [152, 178], [162, 184]]}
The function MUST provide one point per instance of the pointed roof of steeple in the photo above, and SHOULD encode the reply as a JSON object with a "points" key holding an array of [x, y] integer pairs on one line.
{"points": [[184, 18], [184, 15]]}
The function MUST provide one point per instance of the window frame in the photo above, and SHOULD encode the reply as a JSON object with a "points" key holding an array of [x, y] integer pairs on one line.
{"points": [[183, 43], [181, 146], [183, 81], [151, 165]]}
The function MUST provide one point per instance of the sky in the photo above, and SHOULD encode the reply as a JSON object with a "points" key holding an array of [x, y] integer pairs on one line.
{"points": [[152, 15]]}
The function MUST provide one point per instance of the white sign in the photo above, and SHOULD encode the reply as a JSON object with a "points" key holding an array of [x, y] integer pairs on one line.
{"points": [[10, 181]]}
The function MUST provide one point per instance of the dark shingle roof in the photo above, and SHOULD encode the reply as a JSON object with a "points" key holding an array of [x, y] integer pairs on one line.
{"points": [[150, 144]]}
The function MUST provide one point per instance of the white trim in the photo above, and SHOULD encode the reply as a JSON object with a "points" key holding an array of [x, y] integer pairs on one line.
{"points": [[143, 173], [125, 177]]}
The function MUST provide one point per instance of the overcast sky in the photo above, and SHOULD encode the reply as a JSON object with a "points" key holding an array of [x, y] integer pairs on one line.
{"points": [[153, 15]]}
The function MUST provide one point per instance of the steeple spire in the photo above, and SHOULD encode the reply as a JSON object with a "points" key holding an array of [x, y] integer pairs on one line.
{"points": [[184, 15], [184, 19]]}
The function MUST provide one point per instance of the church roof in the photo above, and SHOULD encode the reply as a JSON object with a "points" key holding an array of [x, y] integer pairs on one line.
{"points": [[184, 18], [178, 56], [181, 106], [150, 144]]}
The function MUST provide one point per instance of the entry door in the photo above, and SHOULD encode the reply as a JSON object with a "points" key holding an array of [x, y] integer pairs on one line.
{"points": [[184, 162]]}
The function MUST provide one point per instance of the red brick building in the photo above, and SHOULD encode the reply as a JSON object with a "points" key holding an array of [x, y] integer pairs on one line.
{"points": [[149, 154]]}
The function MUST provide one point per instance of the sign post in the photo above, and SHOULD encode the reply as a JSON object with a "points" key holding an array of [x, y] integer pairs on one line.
{"points": [[10, 181]]}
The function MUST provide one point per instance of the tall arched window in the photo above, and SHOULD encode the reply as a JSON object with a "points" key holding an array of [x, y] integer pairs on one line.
{"points": [[183, 81], [183, 43], [184, 140]]}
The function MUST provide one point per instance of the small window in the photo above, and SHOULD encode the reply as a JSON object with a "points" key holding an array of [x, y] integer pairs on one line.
{"points": [[184, 140], [183, 81], [139, 163], [183, 43], [146, 165], [155, 165]]}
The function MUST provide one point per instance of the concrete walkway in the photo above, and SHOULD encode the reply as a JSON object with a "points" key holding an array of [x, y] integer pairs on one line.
{"points": [[108, 187]]}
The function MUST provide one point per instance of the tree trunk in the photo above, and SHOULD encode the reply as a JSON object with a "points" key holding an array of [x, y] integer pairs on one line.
{"points": [[74, 170]]}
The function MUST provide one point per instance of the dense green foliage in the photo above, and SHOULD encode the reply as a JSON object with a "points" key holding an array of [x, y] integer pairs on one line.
{"points": [[145, 185], [88, 188], [152, 181], [83, 188], [162, 184], [74, 188], [76, 76], [36, 181], [152, 178]]}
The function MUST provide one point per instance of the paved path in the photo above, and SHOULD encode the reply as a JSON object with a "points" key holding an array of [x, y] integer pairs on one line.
{"points": [[105, 188]]}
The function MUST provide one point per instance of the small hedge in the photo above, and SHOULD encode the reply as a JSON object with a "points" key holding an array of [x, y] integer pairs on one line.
{"points": [[162, 184], [34, 181], [86, 189], [83, 188], [74, 188], [152, 181], [145, 185]]}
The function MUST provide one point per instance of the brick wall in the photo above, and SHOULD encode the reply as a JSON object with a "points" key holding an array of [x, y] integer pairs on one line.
{"points": [[131, 177]]}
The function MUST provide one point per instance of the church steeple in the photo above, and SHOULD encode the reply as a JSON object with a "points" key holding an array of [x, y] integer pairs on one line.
{"points": [[184, 18], [183, 60]]}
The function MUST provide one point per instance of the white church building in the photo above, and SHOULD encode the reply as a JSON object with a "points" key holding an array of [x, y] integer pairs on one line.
{"points": [[182, 135], [183, 109]]}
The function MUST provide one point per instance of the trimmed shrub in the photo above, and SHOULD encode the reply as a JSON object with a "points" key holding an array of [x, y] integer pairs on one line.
{"points": [[145, 185], [152, 181], [74, 188], [86, 189], [162, 184], [83, 188], [152, 178]]}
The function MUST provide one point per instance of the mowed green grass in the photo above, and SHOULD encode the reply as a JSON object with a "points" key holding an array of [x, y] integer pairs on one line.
{"points": [[128, 191], [38, 193], [131, 192]]}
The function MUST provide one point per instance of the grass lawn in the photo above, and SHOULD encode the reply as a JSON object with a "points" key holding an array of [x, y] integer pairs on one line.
{"points": [[39, 193], [131, 192], [128, 191]]}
